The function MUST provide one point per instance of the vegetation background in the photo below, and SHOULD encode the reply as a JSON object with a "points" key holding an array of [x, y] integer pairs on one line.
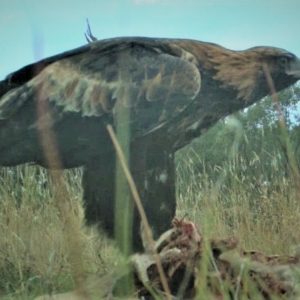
{"points": [[240, 178]]}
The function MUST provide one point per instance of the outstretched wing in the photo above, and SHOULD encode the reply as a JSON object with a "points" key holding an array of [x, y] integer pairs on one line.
{"points": [[152, 78]]}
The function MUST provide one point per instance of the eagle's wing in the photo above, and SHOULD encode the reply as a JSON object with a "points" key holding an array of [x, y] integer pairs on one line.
{"points": [[156, 82]]}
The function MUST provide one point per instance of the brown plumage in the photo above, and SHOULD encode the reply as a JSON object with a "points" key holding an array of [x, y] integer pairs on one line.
{"points": [[172, 89]]}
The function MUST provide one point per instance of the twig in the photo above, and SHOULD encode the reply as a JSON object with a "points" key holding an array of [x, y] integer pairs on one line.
{"points": [[140, 209], [88, 34], [52, 158], [291, 156]]}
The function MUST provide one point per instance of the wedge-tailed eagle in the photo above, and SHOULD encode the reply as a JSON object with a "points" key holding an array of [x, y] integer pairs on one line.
{"points": [[172, 89]]}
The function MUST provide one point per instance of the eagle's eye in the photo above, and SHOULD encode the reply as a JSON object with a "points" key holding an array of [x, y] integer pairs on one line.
{"points": [[283, 61]]}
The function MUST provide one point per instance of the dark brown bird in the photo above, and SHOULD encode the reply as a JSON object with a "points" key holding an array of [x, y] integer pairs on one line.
{"points": [[173, 91]]}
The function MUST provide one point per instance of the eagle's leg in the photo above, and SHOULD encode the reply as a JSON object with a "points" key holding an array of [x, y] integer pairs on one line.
{"points": [[98, 183], [152, 167]]}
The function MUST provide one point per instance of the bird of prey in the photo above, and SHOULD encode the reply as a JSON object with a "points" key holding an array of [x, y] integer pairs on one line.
{"points": [[172, 89]]}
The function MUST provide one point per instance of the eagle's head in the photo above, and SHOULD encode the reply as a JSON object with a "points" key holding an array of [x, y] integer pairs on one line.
{"points": [[282, 66], [245, 71]]}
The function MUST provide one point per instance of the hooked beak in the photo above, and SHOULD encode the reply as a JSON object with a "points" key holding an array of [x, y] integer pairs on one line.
{"points": [[294, 68]]}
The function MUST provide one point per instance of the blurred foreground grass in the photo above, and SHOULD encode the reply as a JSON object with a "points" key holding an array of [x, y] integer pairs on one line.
{"points": [[33, 260]]}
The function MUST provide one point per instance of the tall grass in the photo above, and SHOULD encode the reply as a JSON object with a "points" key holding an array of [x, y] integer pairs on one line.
{"points": [[33, 250], [33, 256], [263, 215]]}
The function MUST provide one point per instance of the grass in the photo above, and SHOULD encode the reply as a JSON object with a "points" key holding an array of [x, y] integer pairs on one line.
{"points": [[34, 251], [262, 216]]}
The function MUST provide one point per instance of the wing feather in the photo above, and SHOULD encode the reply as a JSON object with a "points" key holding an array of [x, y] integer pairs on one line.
{"points": [[155, 85]]}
